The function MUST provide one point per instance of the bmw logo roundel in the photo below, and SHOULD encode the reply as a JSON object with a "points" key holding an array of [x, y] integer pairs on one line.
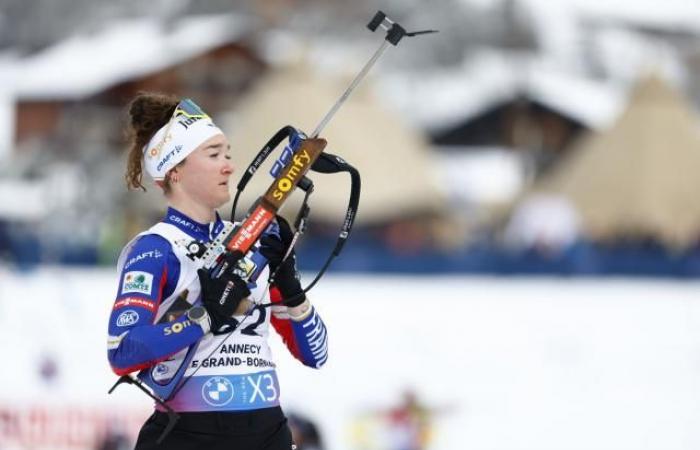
{"points": [[217, 391]]}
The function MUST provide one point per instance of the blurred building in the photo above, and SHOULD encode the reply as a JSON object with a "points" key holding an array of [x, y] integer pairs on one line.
{"points": [[393, 159], [69, 145], [449, 131], [637, 180], [206, 57]]}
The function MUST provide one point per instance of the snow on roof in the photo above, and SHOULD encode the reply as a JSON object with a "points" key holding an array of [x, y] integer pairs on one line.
{"points": [[624, 54], [619, 51], [482, 174], [7, 124], [593, 103], [8, 70], [673, 15], [7, 103], [85, 64], [668, 14], [443, 99]]}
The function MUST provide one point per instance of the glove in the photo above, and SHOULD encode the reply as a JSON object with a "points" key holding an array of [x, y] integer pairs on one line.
{"points": [[287, 278], [221, 296]]}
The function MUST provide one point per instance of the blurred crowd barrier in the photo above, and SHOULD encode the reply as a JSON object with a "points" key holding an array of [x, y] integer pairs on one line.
{"points": [[68, 426]]}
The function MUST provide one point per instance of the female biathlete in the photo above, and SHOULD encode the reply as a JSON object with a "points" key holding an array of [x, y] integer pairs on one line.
{"points": [[231, 397]]}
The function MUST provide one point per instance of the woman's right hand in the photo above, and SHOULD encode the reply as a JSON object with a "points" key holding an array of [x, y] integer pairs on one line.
{"points": [[221, 296]]}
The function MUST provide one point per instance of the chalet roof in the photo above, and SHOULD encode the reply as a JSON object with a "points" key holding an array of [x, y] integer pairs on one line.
{"points": [[393, 159], [85, 64], [440, 100], [639, 177]]}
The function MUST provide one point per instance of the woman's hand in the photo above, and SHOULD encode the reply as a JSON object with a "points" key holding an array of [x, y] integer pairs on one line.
{"points": [[287, 277], [222, 296]]}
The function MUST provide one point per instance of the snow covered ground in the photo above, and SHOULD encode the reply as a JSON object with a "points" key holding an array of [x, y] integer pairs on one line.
{"points": [[510, 363]]}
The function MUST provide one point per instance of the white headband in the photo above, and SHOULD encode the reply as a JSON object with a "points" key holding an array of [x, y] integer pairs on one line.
{"points": [[188, 128]]}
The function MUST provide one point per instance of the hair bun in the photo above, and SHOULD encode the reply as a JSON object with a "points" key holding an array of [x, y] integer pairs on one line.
{"points": [[136, 110], [150, 111]]}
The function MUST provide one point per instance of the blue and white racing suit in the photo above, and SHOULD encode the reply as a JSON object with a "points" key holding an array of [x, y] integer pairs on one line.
{"points": [[158, 283]]}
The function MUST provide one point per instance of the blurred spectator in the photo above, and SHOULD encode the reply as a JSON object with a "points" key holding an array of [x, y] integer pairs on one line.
{"points": [[408, 424], [547, 223], [304, 432], [48, 368], [405, 426], [114, 440]]}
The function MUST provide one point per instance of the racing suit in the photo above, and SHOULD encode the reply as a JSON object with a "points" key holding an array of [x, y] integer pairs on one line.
{"points": [[231, 394]]}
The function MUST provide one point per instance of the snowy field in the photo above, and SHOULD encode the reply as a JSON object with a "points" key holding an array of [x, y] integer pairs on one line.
{"points": [[507, 364]]}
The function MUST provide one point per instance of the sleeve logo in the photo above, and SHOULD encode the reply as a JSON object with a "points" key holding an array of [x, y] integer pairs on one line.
{"points": [[155, 254], [135, 301], [127, 318], [137, 282]]}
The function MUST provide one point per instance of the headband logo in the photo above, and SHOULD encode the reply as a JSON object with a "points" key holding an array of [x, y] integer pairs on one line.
{"points": [[173, 152], [171, 144], [187, 121], [188, 113], [155, 151]]}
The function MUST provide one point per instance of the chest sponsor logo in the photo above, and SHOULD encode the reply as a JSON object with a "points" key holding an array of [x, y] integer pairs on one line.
{"points": [[155, 254], [135, 301], [184, 222], [217, 391], [137, 282], [127, 318]]}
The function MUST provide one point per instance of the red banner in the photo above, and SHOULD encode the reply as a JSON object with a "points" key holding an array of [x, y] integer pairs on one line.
{"points": [[66, 427]]}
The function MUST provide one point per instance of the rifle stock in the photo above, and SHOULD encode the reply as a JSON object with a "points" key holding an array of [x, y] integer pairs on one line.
{"points": [[264, 209]]}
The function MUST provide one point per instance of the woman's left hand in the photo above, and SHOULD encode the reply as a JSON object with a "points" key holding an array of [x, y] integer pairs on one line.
{"points": [[287, 277]]}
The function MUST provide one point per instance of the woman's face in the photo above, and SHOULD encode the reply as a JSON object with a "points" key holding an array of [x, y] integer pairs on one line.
{"points": [[204, 177]]}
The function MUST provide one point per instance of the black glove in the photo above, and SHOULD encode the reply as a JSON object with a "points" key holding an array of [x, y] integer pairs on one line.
{"points": [[221, 296], [287, 277]]}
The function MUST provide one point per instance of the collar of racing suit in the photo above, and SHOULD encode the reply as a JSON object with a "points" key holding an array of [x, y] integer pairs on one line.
{"points": [[203, 232]]}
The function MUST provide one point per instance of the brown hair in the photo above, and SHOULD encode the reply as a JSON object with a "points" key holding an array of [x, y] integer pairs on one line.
{"points": [[148, 112]]}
